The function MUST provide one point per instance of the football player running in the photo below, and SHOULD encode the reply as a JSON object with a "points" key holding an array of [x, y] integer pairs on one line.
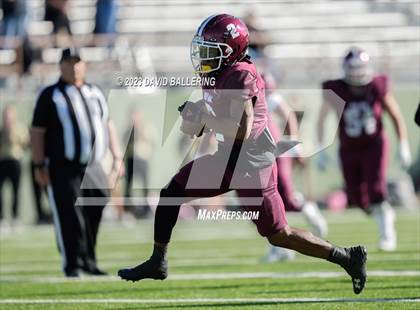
{"points": [[219, 49], [363, 147]]}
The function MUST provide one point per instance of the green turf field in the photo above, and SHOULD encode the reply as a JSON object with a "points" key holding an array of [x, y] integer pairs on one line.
{"points": [[213, 265]]}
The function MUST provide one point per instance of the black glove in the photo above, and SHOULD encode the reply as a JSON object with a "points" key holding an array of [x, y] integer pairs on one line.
{"points": [[182, 106]]}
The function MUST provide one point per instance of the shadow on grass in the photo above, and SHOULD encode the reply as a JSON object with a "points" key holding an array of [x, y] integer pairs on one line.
{"points": [[269, 303], [301, 291], [344, 289], [139, 288], [202, 305], [392, 287], [168, 286]]}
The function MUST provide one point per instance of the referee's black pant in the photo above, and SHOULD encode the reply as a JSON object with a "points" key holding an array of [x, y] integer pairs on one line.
{"points": [[76, 226]]}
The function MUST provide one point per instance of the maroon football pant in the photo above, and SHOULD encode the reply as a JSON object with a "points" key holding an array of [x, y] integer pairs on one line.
{"points": [[364, 173], [211, 175]]}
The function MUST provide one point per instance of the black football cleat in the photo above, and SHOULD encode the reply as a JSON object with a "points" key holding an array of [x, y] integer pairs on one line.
{"points": [[356, 267], [150, 269]]}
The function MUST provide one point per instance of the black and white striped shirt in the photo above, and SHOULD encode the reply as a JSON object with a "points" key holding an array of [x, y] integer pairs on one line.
{"points": [[75, 120]]}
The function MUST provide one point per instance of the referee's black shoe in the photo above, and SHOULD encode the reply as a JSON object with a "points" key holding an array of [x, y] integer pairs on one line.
{"points": [[74, 273], [89, 267], [94, 271]]}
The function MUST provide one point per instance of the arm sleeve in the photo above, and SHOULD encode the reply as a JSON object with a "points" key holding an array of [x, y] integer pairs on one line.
{"points": [[42, 110]]}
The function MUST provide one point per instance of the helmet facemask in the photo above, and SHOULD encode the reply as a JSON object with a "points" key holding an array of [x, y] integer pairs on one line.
{"points": [[208, 56]]}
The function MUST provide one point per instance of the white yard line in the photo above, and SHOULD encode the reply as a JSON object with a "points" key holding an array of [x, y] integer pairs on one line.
{"points": [[203, 300], [212, 276]]}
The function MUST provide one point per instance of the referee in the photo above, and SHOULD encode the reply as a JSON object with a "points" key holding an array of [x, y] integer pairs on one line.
{"points": [[71, 128]]}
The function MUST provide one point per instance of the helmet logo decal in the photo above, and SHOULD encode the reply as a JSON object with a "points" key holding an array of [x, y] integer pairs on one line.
{"points": [[232, 30], [364, 56]]}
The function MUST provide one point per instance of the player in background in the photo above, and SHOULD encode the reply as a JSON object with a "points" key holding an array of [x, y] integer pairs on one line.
{"points": [[293, 200], [141, 137], [363, 147], [239, 119]]}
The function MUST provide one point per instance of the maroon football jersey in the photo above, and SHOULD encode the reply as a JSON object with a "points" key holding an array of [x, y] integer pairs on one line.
{"points": [[361, 122], [240, 80]]}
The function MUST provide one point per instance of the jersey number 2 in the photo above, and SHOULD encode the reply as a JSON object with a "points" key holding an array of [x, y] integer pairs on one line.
{"points": [[232, 30]]}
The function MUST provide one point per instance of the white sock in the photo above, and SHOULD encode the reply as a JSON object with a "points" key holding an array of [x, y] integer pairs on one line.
{"points": [[384, 216], [314, 217], [276, 254]]}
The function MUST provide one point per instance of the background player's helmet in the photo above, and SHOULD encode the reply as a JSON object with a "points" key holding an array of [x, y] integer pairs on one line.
{"points": [[220, 40], [357, 67]]}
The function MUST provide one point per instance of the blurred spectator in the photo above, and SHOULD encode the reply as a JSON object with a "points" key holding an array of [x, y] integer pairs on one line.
{"points": [[13, 139], [42, 217], [14, 21], [257, 37], [56, 12], [13, 30], [258, 40], [105, 21], [140, 149]]}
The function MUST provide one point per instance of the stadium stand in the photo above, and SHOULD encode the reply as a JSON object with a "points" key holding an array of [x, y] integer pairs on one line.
{"points": [[311, 34]]}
